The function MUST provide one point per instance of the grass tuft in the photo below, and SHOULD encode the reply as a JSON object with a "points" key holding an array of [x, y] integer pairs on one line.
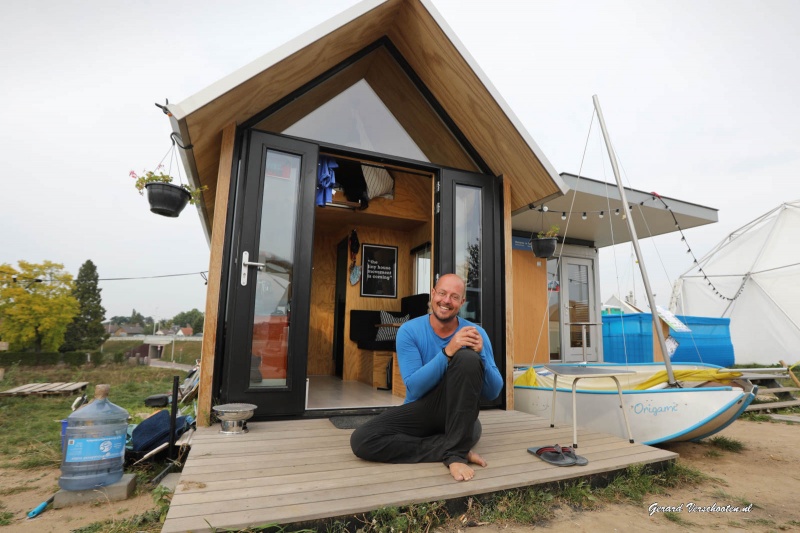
{"points": [[727, 444], [676, 518]]}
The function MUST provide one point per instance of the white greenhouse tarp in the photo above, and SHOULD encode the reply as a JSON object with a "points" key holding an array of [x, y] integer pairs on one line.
{"points": [[755, 272]]}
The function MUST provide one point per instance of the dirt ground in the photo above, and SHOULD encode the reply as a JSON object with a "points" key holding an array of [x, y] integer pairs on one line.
{"points": [[766, 473]]}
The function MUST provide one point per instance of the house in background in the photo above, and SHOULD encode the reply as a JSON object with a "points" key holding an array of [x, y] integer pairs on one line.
{"points": [[386, 96]]}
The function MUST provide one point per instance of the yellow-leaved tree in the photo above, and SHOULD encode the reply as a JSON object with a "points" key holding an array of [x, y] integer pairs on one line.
{"points": [[36, 305]]}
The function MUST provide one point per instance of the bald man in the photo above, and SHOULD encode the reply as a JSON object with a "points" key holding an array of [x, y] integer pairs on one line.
{"points": [[447, 366]]}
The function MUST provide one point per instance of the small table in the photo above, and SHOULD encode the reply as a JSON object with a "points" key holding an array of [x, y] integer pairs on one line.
{"points": [[578, 372]]}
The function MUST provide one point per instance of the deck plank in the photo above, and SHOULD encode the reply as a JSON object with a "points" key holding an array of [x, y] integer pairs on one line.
{"points": [[273, 475]]}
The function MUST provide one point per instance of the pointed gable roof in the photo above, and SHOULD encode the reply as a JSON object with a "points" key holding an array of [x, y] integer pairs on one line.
{"points": [[431, 50]]}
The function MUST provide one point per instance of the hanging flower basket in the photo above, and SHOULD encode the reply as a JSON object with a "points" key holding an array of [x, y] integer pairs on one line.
{"points": [[167, 199], [544, 247]]}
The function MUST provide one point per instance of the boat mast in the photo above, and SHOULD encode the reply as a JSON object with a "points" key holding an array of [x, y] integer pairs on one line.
{"points": [[635, 240]]}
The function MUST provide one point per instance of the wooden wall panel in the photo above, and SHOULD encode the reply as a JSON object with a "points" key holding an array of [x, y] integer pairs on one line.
{"points": [[208, 350], [358, 363], [323, 293], [509, 294], [531, 325]]}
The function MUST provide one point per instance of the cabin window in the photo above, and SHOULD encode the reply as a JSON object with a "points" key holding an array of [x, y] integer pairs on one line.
{"points": [[422, 268], [468, 227], [554, 308], [358, 119], [372, 105]]}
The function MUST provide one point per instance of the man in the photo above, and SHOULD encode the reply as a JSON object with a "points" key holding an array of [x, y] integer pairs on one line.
{"points": [[447, 367]]}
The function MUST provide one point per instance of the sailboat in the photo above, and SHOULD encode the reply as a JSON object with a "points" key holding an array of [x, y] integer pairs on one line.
{"points": [[661, 402]]}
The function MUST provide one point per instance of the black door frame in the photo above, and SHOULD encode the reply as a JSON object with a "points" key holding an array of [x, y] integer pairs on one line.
{"points": [[235, 386], [223, 382], [492, 256]]}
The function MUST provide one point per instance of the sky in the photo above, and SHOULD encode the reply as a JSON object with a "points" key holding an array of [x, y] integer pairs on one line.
{"points": [[699, 97]]}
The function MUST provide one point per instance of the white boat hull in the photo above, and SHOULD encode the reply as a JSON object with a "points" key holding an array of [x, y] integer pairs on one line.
{"points": [[663, 415]]}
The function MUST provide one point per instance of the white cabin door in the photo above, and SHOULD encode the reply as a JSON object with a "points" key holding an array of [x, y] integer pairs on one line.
{"points": [[581, 326]]}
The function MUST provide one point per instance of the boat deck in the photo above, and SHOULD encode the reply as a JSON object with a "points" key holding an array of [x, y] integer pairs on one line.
{"points": [[303, 470]]}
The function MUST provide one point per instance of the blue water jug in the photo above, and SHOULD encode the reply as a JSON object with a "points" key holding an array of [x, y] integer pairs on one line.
{"points": [[95, 444]]}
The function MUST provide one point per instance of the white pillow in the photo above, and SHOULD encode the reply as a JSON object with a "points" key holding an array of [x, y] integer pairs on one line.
{"points": [[389, 334], [379, 182]]}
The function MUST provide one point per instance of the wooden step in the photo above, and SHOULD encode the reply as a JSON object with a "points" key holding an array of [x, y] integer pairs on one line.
{"points": [[777, 390], [772, 405]]}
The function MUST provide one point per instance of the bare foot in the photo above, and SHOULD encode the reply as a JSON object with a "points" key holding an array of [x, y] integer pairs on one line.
{"points": [[474, 458], [461, 472]]}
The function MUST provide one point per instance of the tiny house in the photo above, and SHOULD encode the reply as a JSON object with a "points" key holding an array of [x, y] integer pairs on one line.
{"points": [[346, 171]]}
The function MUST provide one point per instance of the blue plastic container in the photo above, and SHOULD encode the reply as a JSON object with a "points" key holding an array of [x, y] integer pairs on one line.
{"points": [[631, 334], [95, 444], [709, 341]]}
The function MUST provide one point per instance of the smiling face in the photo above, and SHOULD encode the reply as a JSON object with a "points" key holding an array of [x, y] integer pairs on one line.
{"points": [[448, 297]]}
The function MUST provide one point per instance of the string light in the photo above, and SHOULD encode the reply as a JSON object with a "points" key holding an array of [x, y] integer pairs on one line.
{"points": [[656, 197]]}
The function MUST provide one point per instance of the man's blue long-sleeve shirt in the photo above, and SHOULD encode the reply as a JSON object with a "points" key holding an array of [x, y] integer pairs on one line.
{"points": [[422, 363]]}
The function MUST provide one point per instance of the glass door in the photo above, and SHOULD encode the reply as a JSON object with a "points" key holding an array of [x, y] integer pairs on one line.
{"points": [[469, 243], [268, 312], [581, 327]]}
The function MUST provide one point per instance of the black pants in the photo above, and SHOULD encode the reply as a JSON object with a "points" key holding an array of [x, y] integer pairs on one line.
{"points": [[441, 426]]}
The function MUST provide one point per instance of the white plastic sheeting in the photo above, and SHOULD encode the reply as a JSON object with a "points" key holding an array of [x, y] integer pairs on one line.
{"points": [[758, 266]]}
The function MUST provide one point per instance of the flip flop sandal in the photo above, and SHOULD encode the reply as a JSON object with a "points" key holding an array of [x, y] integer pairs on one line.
{"points": [[552, 455], [569, 452]]}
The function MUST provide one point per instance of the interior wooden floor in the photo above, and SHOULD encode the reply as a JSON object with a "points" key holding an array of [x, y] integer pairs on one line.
{"points": [[330, 392], [298, 471]]}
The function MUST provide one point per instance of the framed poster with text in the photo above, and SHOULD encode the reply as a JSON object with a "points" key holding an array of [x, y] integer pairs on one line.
{"points": [[378, 271]]}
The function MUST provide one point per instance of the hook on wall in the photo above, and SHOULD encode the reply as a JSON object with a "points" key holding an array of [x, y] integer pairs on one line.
{"points": [[176, 139]]}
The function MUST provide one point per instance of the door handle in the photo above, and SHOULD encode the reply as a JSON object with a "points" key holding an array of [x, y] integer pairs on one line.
{"points": [[246, 263]]}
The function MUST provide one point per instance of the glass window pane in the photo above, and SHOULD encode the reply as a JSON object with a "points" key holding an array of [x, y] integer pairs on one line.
{"points": [[578, 303], [554, 308], [358, 118], [271, 318], [422, 270], [467, 235]]}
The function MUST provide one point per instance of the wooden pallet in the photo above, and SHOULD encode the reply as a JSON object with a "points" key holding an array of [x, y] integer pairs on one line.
{"points": [[47, 389]]}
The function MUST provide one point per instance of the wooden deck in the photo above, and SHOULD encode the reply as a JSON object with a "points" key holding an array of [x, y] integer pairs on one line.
{"points": [[303, 470]]}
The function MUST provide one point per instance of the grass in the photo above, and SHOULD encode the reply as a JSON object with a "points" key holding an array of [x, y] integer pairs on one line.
{"points": [[528, 505], [734, 500], [727, 444], [30, 428], [676, 518], [186, 352]]}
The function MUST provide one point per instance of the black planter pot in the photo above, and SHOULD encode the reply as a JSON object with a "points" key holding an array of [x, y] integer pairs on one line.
{"points": [[167, 199], [544, 248]]}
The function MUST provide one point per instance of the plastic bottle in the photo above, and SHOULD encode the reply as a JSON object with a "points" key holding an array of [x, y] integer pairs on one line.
{"points": [[95, 450]]}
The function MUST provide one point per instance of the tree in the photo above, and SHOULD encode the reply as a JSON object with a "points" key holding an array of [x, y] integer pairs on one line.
{"points": [[136, 319], [36, 305], [120, 320], [193, 318], [86, 331]]}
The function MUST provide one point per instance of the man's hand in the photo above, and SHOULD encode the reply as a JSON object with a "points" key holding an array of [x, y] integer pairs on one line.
{"points": [[465, 338]]}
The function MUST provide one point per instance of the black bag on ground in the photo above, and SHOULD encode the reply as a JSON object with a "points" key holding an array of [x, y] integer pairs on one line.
{"points": [[157, 400], [154, 431]]}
